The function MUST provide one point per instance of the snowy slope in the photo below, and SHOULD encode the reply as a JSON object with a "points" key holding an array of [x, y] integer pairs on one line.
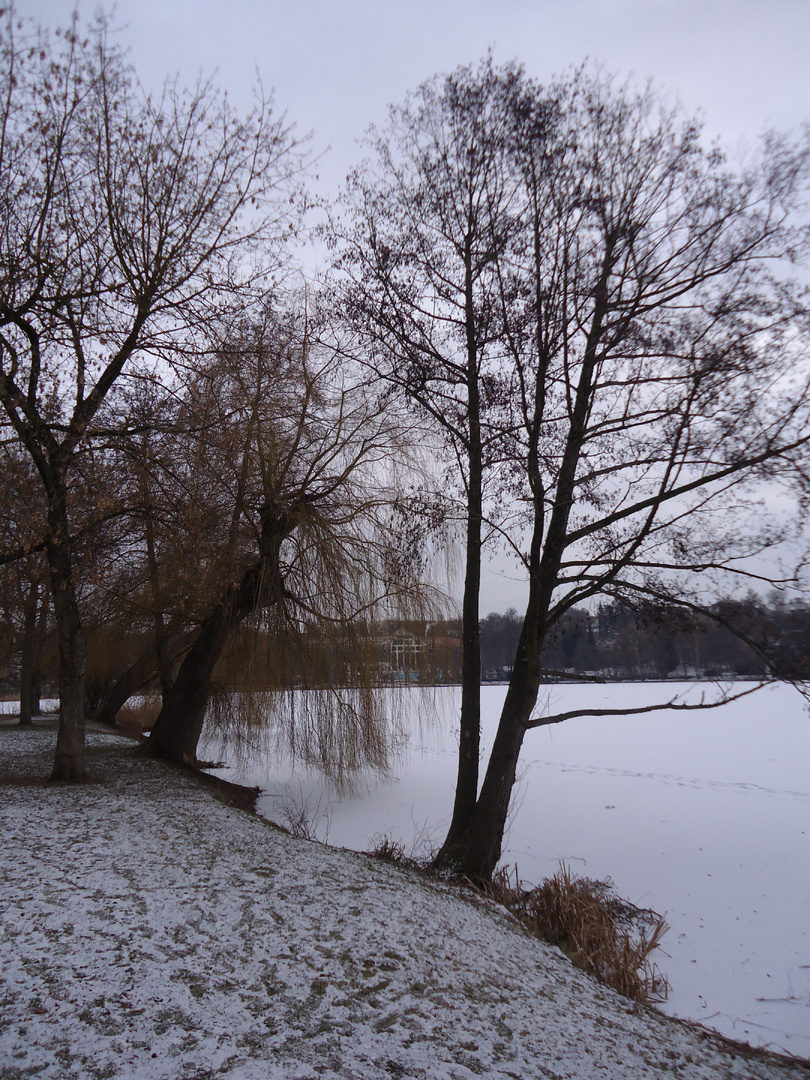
{"points": [[150, 931]]}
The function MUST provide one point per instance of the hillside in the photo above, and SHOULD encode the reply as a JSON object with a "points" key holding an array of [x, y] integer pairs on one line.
{"points": [[150, 930]]}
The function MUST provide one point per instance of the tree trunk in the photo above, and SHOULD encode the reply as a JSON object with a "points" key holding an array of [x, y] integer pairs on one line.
{"points": [[36, 673], [136, 676], [69, 760], [469, 746], [140, 673], [164, 666], [28, 658], [179, 725], [475, 852]]}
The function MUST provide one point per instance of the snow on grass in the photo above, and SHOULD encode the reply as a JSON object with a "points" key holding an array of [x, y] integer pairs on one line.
{"points": [[151, 931], [704, 817]]}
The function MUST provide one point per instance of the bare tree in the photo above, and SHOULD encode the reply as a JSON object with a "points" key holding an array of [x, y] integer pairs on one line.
{"points": [[430, 222], [124, 218], [652, 345]]}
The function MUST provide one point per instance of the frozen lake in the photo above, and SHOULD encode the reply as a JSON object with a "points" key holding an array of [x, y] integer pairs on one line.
{"points": [[704, 817]]}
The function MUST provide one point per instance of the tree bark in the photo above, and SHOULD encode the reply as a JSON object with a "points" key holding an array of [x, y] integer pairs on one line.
{"points": [[479, 849], [475, 852], [179, 725], [470, 722], [69, 761], [469, 748], [161, 633], [136, 676], [28, 658], [36, 674]]}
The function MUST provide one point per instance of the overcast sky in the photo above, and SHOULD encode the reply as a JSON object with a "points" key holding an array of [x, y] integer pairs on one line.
{"points": [[335, 64]]}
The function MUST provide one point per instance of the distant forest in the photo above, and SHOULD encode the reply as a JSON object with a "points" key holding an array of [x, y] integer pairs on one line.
{"points": [[744, 638]]}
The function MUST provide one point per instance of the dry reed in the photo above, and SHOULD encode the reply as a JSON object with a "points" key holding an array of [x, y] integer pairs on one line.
{"points": [[607, 937]]}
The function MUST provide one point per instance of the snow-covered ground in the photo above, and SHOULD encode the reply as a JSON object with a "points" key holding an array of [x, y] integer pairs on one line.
{"points": [[150, 931], [704, 817]]}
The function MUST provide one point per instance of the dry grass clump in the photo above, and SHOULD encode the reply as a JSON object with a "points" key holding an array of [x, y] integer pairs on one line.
{"points": [[138, 716], [608, 937], [390, 850]]}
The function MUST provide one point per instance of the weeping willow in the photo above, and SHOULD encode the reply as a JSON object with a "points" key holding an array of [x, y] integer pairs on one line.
{"points": [[311, 681], [317, 470]]}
